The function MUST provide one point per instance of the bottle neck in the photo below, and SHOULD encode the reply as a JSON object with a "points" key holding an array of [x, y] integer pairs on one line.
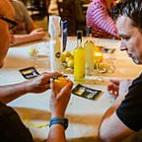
{"points": [[89, 35], [89, 32], [79, 42]]}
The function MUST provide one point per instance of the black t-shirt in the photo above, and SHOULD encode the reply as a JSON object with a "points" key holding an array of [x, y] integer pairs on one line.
{"points": [[130, 110], [11, 127]]}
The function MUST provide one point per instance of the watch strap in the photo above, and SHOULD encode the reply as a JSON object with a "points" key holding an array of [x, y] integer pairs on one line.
{"points": [[57, 120]]}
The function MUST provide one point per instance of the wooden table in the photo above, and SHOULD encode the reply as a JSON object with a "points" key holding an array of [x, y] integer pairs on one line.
{"points": [[84, 115]]}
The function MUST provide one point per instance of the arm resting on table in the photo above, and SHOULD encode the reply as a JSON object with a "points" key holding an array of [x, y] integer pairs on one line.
{"points": [[112, 129], [11, 92]]}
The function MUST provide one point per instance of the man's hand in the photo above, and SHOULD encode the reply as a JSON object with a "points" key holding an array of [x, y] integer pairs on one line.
{"points": [[113, 87], [117, 87], [59, 100], [36, 85], [38, 33], [40, 83]]}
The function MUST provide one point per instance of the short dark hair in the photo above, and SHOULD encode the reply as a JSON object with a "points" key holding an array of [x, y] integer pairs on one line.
{"points": [[130, 8]]}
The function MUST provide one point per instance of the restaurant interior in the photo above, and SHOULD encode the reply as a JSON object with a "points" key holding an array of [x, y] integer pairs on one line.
{"points": [[41, 9], [91, 68]]}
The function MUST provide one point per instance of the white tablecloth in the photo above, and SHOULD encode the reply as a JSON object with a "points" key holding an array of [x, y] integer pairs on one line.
{"points": [[84, 115]]}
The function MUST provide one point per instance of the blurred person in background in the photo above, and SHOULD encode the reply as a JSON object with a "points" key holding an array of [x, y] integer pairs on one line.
{"points": [[11, 127], [79, 16], [99, 18], [26, 30]]}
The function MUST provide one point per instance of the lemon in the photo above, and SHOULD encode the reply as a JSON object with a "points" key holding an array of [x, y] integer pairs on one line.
{"points": [[97, 49], [70, 63], [68, 58], [102, 67], [60, 82], [98, 56], [66, 53], [63, 58], [33, 51]]}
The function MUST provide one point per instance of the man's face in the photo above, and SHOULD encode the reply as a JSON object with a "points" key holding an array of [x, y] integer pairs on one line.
{"points": [[131, 38], [7, 11]]}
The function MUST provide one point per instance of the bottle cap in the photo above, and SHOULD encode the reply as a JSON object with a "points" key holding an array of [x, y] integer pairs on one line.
{"points": [[79, 34]]}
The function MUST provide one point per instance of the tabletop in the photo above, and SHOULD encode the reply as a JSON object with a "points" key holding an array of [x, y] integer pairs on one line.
{"points": [[84, 115]]}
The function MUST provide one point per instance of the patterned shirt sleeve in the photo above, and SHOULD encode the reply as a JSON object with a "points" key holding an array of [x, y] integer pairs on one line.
{"points": [[98, 17]]}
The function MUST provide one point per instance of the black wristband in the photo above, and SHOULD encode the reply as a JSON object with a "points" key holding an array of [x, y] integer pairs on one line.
{"points": [[57, 120]]}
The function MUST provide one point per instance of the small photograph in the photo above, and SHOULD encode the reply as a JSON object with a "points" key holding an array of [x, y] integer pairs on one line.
{"points": [[29, 72], [104, 49], [86, 92]]}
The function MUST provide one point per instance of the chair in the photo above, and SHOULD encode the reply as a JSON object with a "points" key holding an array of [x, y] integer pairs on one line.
{"points": [[37, 7], [67, 12]]}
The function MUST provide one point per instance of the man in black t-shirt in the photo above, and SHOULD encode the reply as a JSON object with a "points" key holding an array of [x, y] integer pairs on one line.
{"points": [[124, 118], [11, 127]]}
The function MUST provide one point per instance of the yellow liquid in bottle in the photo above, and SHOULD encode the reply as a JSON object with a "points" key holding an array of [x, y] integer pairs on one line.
{"points": [[79, 64]]}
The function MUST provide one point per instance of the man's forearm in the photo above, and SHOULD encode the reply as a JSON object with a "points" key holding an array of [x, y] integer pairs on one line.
{"points": [[113, 108], [102, 132], [11, 92], [56, 133], [19, 39]]}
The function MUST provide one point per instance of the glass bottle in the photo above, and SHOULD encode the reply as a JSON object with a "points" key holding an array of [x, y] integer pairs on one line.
{"points": [[55, 42], [89, 53], [79, 59]]}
